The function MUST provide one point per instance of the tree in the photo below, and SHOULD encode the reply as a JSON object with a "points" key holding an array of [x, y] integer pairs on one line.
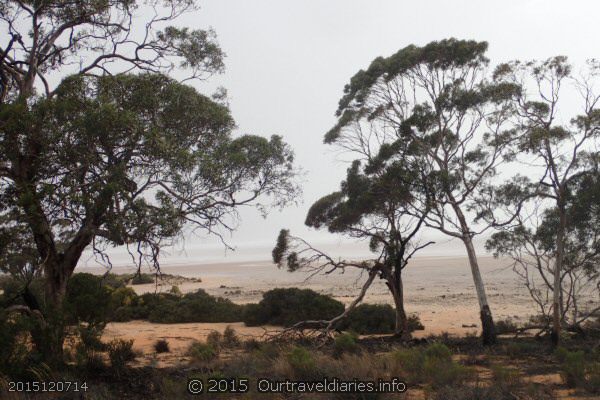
{"points": [[531, 244], [371, 204], [60, 37], [561, 154], [436, 105], [117, 159]]}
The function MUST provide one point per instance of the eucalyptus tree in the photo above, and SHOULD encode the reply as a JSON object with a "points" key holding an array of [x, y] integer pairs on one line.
{"points": [[117, 153], [372, 204], [560, 152], [438, 102], [46, 39], [531, 244]]}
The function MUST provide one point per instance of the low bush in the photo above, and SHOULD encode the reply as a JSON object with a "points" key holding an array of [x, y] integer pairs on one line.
{"points": [[286, 307], [345, 343], [578, 371], [376, 319], [120, 352], [161, 346], [302, 363], [505, 326], [432, 365], [214, 339], [230, 337], [523, 348], [202, 352]]}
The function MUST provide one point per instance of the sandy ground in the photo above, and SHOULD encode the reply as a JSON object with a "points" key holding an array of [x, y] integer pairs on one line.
{"points": [[438, 289]]}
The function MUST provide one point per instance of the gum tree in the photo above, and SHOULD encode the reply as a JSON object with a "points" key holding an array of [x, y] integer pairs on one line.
{"points": [[109, 157], [560, 152], [531, 244], [438, 102], [372, 204]]}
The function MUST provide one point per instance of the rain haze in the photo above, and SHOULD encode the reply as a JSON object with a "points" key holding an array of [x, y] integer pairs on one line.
{"points": [[287, 64]]}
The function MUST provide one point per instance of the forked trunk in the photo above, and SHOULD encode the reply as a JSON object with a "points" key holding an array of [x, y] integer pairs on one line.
{"points": [[488, 329]]}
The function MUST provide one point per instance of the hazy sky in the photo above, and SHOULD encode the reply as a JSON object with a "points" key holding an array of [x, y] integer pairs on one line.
{"points": [[288, 61]]}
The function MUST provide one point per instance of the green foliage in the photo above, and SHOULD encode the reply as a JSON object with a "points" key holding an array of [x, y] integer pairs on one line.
{"points": [[214, 339], [202, 352], [286, 307], [87, 299], [345, 343], [579, 369], [433, 365], [376, 318], [230, 337], [302, 362], [120, 352]]}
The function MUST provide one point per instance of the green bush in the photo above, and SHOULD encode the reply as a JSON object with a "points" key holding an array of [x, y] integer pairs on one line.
{"points": [[120, 352], [230, 337], [433, 365], [214, 338], [376, 318], [202, 352], [302, 362], [573, 368], [286, 307], [87, 299], [345, 343]]}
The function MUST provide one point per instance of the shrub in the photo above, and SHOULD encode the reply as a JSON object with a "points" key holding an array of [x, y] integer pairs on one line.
{"points": [[434, 365], [345, 343], [286, 307], [202, 352], [505, 326], [161, 346], [87, 299], [120, 352], [230, 337], [141, 279], [370, 318], [522, 348], [505, 378], [573, 368], [214, 338], [376, 318], [302, 362]]}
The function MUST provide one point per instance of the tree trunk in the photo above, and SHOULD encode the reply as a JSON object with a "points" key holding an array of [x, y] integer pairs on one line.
{"points": [[50, 339], [557, 287], [401, 325], [488, 329]]}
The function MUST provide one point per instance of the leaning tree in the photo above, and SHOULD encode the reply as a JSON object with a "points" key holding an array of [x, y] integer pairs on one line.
{"points": [[372, 204], [109, 157], [438, 102]]}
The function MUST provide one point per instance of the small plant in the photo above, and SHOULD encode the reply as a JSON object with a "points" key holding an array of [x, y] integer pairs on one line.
{"points": [[120, 352], [230, 337], [215, 339], [161, 346], [202, 352], [302, 362], [505, 378], [519, 349], [505, 326], [573, 368], [345, 343]]}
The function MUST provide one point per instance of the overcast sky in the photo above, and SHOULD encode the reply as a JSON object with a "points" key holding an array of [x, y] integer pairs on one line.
{"points": [[288, 61]]}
